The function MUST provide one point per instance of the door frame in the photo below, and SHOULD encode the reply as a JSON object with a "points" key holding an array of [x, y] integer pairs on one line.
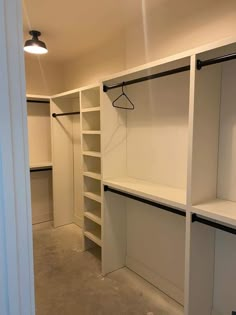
{"points": [[16, 250]]}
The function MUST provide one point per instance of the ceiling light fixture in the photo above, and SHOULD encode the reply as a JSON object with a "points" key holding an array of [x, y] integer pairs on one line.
{"points": [[34, 45]]}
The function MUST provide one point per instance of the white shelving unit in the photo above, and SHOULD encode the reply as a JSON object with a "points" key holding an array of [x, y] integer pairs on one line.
{"points": [[175, 150], [67, 165], [91, 156], [39, 136]]}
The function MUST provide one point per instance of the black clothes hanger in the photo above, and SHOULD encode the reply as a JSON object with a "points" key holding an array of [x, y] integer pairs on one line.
{"points": [[125, 95]]}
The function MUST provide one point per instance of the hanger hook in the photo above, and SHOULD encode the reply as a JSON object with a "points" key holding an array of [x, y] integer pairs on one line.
{"points": [[122, 87]]}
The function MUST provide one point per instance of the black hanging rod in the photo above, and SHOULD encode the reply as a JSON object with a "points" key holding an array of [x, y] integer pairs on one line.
{"points": [[200, 64], [34, 170], [149, 77], [219, 226], [38, 101], [65, 114], [149, 202]]}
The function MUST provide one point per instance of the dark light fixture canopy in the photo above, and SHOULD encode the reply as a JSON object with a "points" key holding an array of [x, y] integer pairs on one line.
{"points": [[34, 45]]}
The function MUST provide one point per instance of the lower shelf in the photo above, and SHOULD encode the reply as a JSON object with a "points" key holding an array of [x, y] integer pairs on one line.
{"points": [[221, 210], [94, 235], [93, 196], [94, 215]]}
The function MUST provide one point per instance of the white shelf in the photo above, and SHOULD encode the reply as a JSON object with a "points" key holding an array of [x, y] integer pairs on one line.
{"points": [[93, 175], [221, 210], [91, 109], [94, 215], [163, 194], [92, 153], [93, 196], [41, 165], [94, 235], [91, 132]]}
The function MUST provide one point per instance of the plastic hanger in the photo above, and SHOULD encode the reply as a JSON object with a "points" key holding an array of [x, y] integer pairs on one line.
{"points": [[125, 95]]}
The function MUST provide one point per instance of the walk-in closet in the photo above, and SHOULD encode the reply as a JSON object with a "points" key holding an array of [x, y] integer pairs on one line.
{"points": [[133, 181]]}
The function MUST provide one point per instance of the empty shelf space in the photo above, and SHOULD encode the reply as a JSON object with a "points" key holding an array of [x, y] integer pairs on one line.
{"points": [[92, 153], [91, 109], [221, 210], [93, 175], [94, 235], [91, 132], [94, 215], [159, 193], [93, 196]]}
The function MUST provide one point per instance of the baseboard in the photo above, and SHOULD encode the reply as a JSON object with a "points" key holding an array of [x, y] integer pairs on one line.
{"points": [[78, 221], [43, 217], [162, 284], [214, 312]]}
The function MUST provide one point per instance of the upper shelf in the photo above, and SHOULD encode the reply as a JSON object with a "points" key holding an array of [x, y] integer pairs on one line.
{"points": [[163, 194], [221, 210]]}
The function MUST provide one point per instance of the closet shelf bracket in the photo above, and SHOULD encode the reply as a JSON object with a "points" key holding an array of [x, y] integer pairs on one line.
{"points": [[146, 201], [54, 115], [219, 226]]}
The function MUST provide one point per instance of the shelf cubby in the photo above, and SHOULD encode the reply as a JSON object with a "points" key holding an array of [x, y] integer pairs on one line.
{"points": [[92, 231], [92, 164], [92, 143], [91, 121], [90, 98]]}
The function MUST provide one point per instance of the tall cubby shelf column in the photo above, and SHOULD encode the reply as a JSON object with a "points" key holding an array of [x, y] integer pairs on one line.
{"points": [[66, 144], [91, 161]]}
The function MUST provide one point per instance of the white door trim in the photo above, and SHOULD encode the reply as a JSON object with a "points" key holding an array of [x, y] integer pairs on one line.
{"points": [[16, 258]]}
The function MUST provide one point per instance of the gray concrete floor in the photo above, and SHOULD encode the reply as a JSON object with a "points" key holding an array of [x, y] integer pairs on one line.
{"points": [[69, 282]]}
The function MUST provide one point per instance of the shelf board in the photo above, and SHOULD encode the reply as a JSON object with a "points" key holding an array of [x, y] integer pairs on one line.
{"points": [[91, 132], [94, 215], [93, 196], [42, 165], [218, 209], [93, 175], [159, 193], [94, 235], [92, 153], [91, 109]]}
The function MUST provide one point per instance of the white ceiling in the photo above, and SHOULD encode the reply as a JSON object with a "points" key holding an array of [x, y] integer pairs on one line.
{"points": [[72, 27]]}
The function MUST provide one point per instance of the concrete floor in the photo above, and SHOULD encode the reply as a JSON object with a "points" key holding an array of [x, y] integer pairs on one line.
{"points": [[69, 282]]}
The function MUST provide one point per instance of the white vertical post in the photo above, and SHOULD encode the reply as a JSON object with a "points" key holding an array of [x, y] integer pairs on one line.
{"points": [[16, 259]]}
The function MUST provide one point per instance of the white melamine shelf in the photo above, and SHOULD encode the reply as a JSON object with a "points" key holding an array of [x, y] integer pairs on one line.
{"points": [[93, 196], [94, 215], [91, 132], [92, 153], [220, 210], [94, 235], [41, 165], [159, 193], [93, 175], [91, 109]]}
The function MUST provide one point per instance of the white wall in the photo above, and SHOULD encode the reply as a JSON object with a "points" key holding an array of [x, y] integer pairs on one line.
{"points": [[167, 28], [43, 76]]}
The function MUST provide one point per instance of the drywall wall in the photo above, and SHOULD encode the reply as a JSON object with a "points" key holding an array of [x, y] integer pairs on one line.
{"points": [[43, 76], [162, 29], [107, 58]]}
